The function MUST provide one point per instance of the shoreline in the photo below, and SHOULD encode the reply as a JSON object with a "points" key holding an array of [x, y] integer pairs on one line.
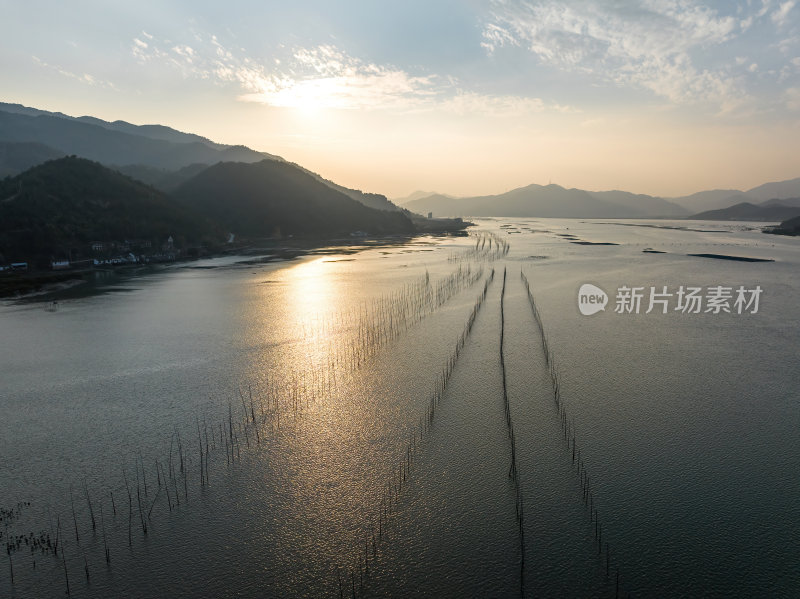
{"points": [[41, 283]]}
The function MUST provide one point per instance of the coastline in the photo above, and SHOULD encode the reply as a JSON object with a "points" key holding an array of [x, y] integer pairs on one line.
{"points": [[40, 283]]}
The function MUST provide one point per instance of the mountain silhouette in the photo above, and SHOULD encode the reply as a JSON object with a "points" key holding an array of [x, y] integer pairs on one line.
{"points": [[64, 205], [547, 201], [271, 198]]}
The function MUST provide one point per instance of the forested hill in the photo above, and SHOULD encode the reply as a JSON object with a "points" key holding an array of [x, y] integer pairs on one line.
{"points": [[278, 198], [69, 203]]}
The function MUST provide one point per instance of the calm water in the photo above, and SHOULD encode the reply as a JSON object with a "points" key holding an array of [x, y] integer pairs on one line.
{"points": [[319, 373]]}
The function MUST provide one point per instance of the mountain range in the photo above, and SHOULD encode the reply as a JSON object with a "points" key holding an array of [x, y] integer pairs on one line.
{"points": [[550, 201], [154, 154], [70, 206], [166, 159], [556, 201], [63, 206], [116, 143], [771, 211], [278, 198]]}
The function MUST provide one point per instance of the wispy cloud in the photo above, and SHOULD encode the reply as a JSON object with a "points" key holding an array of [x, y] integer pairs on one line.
{"points": [[647, 44], [792, 98], [326, 77], [781, 14], [84, 78], [463, 102]]}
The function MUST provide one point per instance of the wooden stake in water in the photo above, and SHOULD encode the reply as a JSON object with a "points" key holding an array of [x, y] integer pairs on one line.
{"points": [[200, 444], [141, 512], [144, 479], [74, 518], [105, 542], [66, 575], [130, 506], [58, 533]]}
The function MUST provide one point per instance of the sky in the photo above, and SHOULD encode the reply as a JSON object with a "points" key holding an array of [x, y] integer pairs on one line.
{"points": [[465, 97]]}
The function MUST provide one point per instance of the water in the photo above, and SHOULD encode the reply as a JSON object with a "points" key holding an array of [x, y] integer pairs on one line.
{"points": [[687, 424]]}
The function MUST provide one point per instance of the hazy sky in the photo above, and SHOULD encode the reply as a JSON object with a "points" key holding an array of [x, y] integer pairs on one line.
{"points": [[465, 97]]}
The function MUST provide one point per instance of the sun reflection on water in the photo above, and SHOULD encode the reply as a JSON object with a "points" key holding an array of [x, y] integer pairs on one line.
{"points": [[311, 289]]}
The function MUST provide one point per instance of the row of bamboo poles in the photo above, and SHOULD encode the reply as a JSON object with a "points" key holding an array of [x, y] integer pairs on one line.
{"points": [[488, 248], [376, 322], [366, 330], [570, 438], [513, 472], [352, 578]]}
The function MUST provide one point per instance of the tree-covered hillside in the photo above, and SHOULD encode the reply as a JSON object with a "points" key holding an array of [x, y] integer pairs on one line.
{"points": [[63, 206]]}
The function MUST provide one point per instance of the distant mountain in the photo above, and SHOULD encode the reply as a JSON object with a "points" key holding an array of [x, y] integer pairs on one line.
{"points": [[161, 179], [16, 157], [152, 131], [545, 201], [415, 196], [782, 202], [774, 212], [371, 200], [113, 147], [725, 198], [712, 200], [20, 109], [64, 205], [779, 189], [156, 132], [618, 204], [641, 204], [271, 198], [439, 203]]}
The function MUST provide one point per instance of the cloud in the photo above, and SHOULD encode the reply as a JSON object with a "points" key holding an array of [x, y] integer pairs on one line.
{"points": [[85, 78], [326, 77], [647, 44], [495, 36], [780, 15], [186, 51], [792, 98], [473, 103]]}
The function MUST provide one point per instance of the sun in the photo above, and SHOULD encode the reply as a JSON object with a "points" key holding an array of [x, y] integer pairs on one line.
{"points": [[309, 97]]}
